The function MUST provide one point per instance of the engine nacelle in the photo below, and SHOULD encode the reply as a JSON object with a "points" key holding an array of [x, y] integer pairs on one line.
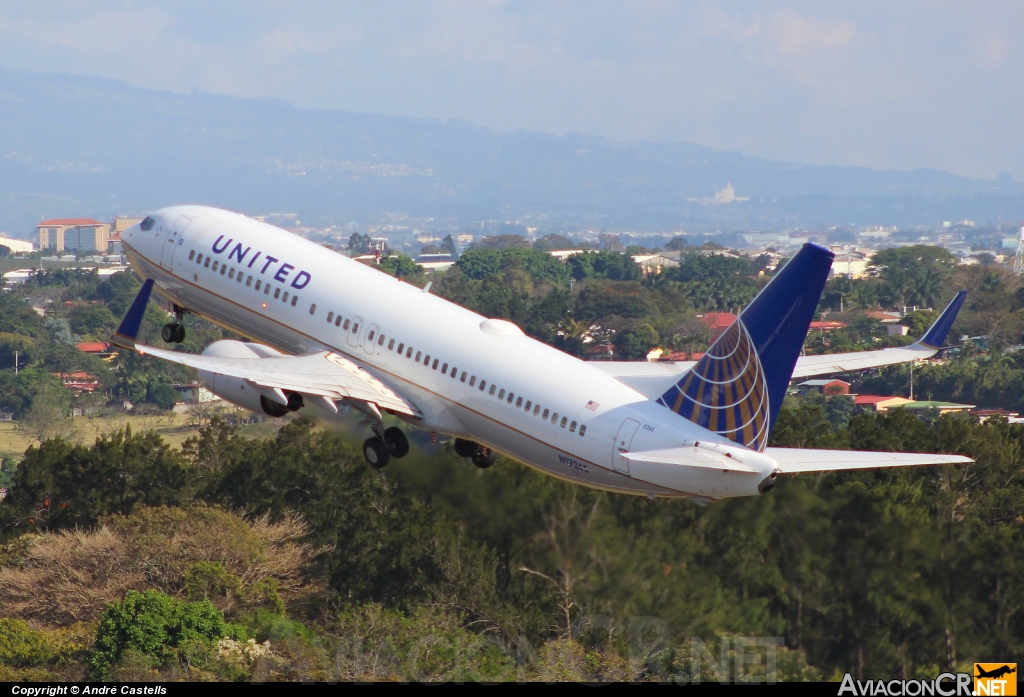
{"points": [[238, 391]]}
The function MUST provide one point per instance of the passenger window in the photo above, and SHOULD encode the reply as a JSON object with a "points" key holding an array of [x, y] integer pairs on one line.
{"points": [[199, 259], [401, 347], [536, 409], [370, 337], [435, 364], [391, 345], [248, 281], [338, 321], [554, 417], [206, 265], [277, 293], [528, 405], [231, 273], [408, 352], [501, 395], [355, 327], [511, 396], [519, 402], [472, 381], [312, 309], [284, 298], [266, 289], [545, 414], [147, 224], [223, 268], [444, 368], [258, 283], [192, 255], [463, 378], [564, 418], [330, 316], [418, 354], [455, 372], [295, 299], [572, 427], [380, 341], [583, 429], [240, 275], [215, 264]]}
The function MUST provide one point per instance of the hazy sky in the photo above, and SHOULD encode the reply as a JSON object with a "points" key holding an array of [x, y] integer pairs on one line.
{"points": [[877, 83]]}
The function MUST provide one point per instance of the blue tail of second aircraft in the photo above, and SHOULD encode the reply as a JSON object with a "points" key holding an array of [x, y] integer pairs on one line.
{"points": [[736, 389]]}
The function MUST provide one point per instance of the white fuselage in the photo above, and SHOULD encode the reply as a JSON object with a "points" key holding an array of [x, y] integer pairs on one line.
{"points": [[598, 417]]}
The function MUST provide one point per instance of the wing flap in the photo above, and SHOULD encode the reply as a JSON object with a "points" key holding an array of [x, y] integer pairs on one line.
{"points": [[321, 374], [800, 460]]}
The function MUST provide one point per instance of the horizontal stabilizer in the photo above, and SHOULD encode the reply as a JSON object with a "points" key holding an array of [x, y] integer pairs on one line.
{"points": [[799, 460], [714, 455], [685, 457]]}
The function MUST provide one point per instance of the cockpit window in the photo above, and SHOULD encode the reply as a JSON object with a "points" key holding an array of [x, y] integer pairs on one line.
{"points": [[147, 224]]}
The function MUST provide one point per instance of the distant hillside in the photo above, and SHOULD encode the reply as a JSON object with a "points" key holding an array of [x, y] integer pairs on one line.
{"points": [[86, 146]]}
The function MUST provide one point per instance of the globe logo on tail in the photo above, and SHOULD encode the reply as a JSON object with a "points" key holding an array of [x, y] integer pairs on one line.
{"points": [[726, 392]]}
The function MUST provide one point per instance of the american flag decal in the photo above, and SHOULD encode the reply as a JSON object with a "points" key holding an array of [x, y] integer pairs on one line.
{"points": [[592, 405]]}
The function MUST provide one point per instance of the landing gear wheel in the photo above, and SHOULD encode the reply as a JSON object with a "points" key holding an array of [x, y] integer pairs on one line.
{"points": [[396, 442], [484, 458], [271, 408], [466, 448], [173, 333], [295, 401], [375, 452]]}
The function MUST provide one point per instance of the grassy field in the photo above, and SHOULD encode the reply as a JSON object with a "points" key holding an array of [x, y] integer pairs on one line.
{"points": [[173, 428]]}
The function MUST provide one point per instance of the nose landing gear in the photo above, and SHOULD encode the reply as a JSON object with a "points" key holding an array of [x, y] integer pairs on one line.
{"points": [[174, 332]]}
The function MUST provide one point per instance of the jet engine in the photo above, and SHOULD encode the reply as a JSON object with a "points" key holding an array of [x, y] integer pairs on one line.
{"points": [[241, 392]]}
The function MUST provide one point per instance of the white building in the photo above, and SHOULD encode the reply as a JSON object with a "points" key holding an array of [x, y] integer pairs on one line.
{"points": [[17, 246]]}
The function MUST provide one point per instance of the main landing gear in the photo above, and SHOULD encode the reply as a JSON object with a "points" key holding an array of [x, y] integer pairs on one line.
{"points": [[174, 332], [480, 456], [384, 445]]}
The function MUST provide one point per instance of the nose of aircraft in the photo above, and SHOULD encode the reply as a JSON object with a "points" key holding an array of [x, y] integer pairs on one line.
{"points": [[137, 236]]}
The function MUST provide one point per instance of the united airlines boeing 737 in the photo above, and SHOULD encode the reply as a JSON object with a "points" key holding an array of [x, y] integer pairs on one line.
{"points": [[324, 329]]}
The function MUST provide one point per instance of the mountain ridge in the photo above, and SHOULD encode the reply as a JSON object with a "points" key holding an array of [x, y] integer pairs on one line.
{"points": [[89, 145]]}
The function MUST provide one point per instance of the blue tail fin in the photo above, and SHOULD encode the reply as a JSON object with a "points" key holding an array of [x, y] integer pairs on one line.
{"points": [[128, 330], [736, 389], [936, 334]]}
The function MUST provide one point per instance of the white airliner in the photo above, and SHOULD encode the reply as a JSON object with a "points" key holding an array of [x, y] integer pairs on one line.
{"points": [[325, 329]]}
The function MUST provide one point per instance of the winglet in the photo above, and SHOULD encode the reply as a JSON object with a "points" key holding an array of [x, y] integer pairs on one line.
{"points": [[936, 334], [128, 330]]}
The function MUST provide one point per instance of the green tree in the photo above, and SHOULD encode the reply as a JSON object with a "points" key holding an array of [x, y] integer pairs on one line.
{"points": [[552, 242], [60, 485], [360, 244], [153, 624], [401, 266], [635, 343]]}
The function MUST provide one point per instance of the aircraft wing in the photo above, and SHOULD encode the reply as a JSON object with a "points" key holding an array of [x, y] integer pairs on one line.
{"points": [[323, 374], [653, 379], [799, 460]]}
